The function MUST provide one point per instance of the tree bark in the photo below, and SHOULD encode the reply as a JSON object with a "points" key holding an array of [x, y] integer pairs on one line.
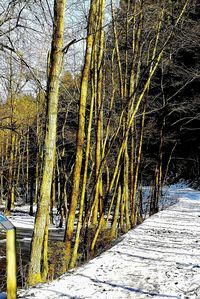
{"points": [[40, 231]]}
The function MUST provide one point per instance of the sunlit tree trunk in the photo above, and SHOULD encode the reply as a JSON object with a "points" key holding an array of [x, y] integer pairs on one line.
{"points": [[116, 214], [87, 156], [136, 173], [99, 110], [19, 162], [80, 133], [41, 222]]}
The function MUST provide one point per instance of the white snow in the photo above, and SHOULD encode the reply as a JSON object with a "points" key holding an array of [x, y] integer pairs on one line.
{"points": [[158, 259]]}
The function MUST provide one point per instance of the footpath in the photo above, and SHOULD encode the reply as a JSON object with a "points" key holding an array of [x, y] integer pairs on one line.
{"points": [[158, 259]]}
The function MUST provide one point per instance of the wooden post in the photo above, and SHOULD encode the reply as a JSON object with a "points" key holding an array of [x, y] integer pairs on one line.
{"points": [[10, 256], [11, 264]]}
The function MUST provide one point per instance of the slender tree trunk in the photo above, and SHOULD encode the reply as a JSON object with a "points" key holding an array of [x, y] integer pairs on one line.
{"points": [[2, 174], [27, 165], [80, 133], [99, 108], [116, 214], [11, 191], [85, 175], [136, 173]]}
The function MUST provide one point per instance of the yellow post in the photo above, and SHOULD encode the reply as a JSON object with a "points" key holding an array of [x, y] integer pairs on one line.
{"points": [[11, 264], [10, 256]]}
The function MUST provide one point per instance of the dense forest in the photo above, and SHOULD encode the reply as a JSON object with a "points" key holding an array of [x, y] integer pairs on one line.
{"points": [[98, 99]]}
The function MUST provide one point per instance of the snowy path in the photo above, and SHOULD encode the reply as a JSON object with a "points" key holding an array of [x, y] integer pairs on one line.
{"points": [[159, 259]]}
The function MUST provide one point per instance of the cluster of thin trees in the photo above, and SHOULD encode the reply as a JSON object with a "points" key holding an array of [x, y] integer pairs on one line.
{"points": [[78, 145]]}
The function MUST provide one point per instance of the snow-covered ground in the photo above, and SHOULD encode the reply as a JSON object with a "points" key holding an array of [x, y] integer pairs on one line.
{"points": [[158, 259]]}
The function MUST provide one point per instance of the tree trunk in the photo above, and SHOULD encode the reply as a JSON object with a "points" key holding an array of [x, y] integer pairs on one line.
{"points": [[34, 275], [80, 134]]}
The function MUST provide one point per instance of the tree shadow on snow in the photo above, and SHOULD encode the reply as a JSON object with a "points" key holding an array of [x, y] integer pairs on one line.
{"points": [[128, 288], [157, 260]]}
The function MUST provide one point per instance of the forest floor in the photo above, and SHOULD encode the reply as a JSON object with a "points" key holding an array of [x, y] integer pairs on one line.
{"points": [[158, 259]]}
